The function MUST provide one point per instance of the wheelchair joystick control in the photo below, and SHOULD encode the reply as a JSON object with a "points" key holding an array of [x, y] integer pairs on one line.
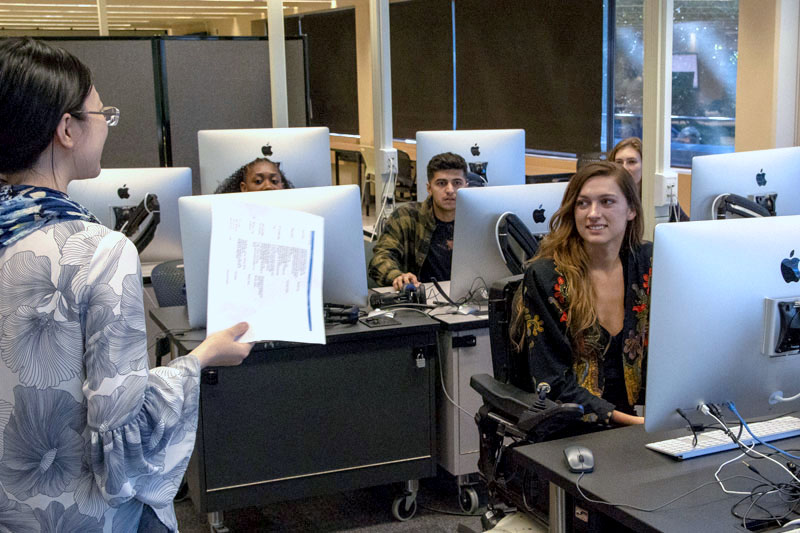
{"points": [[543, 389]]}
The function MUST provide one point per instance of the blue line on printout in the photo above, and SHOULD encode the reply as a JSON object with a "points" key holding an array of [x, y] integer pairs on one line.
{"points": [[308, 288]]}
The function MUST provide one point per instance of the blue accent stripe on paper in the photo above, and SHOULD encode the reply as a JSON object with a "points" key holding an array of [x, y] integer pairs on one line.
{"points": [[308, 287]]}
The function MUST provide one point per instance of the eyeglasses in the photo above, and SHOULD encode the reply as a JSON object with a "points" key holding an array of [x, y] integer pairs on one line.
{"points": [[110, 113]]}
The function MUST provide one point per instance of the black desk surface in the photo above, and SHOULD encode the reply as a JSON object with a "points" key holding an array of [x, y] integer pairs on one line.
{"points": [[175, 322], [627, 472]]}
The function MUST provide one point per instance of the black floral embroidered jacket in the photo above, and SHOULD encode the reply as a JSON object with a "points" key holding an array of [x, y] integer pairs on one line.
{"points": [[549, 346]]}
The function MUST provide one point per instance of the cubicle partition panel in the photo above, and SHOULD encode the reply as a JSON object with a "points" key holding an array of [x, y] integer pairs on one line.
{"points": [[223, 84], [422, 90], [168, 88], [297, 82], [421, 33], [123, 73], [333, 86], [537, 67]]}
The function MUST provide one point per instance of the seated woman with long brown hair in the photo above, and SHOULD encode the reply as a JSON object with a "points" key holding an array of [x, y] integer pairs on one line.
{"points": [[581, 314]]}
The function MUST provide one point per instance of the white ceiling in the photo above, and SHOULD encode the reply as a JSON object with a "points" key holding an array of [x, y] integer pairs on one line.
{"points": [[152, 15]]}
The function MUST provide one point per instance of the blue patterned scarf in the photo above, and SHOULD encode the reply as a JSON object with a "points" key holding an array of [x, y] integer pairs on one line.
{"points": [[25, 209]]}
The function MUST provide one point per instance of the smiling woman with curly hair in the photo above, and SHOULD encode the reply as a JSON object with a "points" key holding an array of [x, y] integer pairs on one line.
{"points": [[260, 174]]}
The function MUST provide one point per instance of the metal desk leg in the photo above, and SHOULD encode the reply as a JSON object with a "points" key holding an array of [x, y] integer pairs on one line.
{"points": [[215, 522], [558, 509], [360, 160], [336, 158]]}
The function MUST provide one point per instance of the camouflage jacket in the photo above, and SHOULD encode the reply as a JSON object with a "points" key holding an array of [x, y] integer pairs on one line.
{"points": [[404, 243]]}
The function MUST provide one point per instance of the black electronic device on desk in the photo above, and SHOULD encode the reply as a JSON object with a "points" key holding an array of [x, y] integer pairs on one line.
{"points": [[409, 296], [341, 314]]}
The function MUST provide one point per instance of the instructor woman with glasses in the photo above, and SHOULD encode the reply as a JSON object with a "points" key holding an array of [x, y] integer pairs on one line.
{"points": [[92, 440]]}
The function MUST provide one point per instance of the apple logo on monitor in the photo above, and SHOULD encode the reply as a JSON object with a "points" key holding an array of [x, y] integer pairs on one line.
{"points": [[123, 193], [475, 150], [761, 178], [789, 269], [266, 150], [538, 215]]}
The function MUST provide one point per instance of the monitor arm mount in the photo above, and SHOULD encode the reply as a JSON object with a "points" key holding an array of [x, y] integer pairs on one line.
{"points": [[729, 204], [140, 227]]}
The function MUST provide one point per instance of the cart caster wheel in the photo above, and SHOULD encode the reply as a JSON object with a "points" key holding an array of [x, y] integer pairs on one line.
{"points": [[404, 507], [468, 500]]}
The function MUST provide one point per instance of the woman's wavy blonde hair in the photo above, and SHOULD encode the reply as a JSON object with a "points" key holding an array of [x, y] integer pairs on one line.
{"points": [[564, 246]]}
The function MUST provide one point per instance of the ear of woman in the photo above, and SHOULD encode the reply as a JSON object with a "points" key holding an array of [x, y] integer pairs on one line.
{"points": [[65, 131]]}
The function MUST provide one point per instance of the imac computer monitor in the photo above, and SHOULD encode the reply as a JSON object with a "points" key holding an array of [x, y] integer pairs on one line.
{"points": [[754, 175], [112, 195], [344, 278], [498, 156], [304, 154], [476, 257], [709, 313]]}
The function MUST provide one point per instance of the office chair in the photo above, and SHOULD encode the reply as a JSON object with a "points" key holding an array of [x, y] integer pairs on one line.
{"points": [[170, 288], [549, 178], [515, 241], [405, 188], [366, 190], [512, 415], [589, 157], [169, 283], [368, 253]]}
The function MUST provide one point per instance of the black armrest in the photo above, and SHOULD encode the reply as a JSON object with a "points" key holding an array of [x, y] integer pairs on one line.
{"points": [[506, 398], [531, 414]]}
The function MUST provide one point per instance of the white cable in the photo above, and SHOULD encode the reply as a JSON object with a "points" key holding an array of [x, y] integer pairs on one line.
{"points": [[764, 456], [778, 397], [726, 463], [441, 380], [706, 411], [446, 310], [390, 187]]}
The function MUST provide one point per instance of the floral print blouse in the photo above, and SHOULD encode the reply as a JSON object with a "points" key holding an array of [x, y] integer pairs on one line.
{"points": [[549, 347], [87, 433]]}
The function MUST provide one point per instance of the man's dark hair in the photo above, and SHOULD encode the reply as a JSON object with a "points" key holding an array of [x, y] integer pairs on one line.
{"points": [[38, 84], [446, 161], [233, 183]]}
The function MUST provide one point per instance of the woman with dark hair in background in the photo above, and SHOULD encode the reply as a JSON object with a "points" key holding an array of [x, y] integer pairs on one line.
{"points": [[260, 174], [91, 439], [581, 315], [628, 153]]}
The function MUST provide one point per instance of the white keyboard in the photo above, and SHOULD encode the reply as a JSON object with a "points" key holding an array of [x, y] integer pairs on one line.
{"points": [[717, 441]]}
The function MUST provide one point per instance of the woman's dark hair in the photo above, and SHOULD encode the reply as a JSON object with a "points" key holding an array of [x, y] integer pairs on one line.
{"points": [[233, 183], [446, 161], [38, 84]]}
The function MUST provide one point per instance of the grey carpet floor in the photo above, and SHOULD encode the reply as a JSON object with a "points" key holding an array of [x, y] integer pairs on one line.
{"points": [[365, 510]]}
